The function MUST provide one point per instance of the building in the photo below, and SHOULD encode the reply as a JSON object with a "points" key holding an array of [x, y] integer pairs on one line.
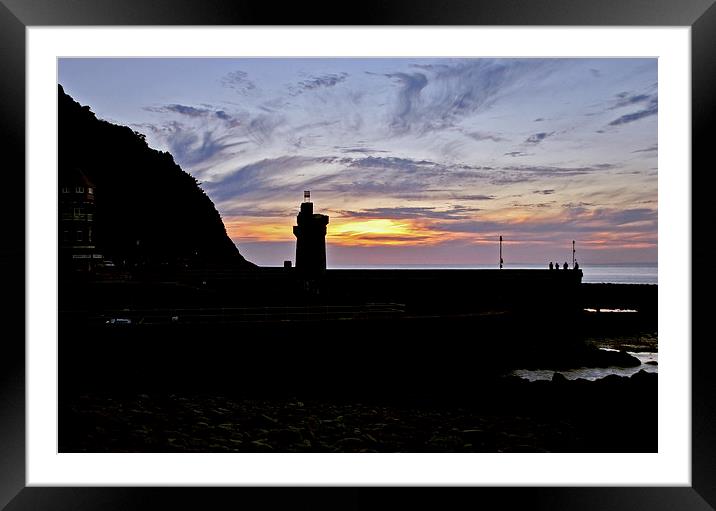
{"points": [[76, 221], [310, 238]]}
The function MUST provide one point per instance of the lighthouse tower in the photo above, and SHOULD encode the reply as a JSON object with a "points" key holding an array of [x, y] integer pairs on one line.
{"points": [[310, 238]]}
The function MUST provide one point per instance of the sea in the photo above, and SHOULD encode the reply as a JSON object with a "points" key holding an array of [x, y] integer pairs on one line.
{"points": [[647, 360], [644, 273]]}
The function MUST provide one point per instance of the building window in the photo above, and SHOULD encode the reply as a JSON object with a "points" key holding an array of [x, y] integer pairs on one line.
{"points": [[79, 235], [90, 191], [79, 189], [65, 189], [77, 212]]}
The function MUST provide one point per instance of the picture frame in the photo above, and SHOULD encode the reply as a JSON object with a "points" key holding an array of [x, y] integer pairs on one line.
{"points": [[16, 15]]}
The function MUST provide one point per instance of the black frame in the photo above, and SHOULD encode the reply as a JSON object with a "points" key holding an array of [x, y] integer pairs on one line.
{"points": [[16, 15]]}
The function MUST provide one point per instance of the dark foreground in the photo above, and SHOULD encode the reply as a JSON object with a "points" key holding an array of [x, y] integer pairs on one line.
{"points": [[611, 415], [404, 376], [485, 410]]}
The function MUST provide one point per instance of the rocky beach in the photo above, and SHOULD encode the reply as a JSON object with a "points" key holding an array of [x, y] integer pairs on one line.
{"points": [[502, 413]]}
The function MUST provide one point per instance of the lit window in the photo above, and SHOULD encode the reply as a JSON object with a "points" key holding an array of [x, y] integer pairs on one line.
{"points": [[65, 189], [79, 189], [90, 191], [79, 235]]}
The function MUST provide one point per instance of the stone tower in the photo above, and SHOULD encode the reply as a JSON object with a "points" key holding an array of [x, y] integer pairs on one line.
{"points": [[310, 238]]}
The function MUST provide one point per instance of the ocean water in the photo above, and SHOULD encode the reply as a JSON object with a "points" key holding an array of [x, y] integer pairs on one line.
{"points": [[593, 273], [594, 373]]}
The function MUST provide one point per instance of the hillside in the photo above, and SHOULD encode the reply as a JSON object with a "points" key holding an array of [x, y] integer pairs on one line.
{"points": [[143, 198]]}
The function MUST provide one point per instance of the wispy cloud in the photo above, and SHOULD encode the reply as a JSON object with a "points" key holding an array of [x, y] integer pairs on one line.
{"points": [[454, 212], [238, 81], [188, 146], [480, 136], [439, 96], [538, 137], [192, 111], [635, 116], [312, 82], [648, 102], [574, 220], [360, 150]]}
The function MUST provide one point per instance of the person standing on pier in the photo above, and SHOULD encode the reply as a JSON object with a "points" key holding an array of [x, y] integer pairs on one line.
{"points": [[551, 266]]}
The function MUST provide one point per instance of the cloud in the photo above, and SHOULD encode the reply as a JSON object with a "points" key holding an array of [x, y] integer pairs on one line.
{"points": [[261, 128], [652, 109], [186, 110], [475, 197], [362, 150], [188, 146], [441, 95], [238, 81], [480, 136], [258, 212], [649, 149], [512, 174], [515, 154], [549, 191], [533, 204], [261, 179], [552, 171], [194, 112], [649, 102], [407, 104], [538, 137], [456, 212], [573, 221], [314, 82], [629, 99], [223, 115], [391, 162], [571, 205], [377, 176]]}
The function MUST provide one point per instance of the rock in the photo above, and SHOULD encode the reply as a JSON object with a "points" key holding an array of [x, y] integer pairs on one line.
{"points": [[349, 444], [644, 377], [285, 437], [559, 378]]}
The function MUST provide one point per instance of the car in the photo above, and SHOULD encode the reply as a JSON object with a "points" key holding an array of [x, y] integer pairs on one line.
{"points": [[118, 321]]}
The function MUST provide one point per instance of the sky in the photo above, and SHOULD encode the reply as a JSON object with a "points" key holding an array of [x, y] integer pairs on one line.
{"points": [[416, 161]]}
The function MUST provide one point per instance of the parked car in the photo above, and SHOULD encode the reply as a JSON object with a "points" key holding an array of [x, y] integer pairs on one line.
{"points": [[118, 321]]}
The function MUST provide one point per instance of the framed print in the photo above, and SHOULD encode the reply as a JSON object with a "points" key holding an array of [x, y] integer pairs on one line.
{"points": [[365, 173]]}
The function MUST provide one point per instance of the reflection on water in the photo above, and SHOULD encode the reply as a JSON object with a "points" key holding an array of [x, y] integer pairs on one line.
{"points": [[610, 310], [594, 373]]}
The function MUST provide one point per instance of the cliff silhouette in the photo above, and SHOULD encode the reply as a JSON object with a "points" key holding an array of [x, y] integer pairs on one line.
{"points": [[147, 208]]}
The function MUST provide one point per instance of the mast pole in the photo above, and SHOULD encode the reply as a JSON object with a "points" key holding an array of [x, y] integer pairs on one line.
{"points": [[500, 252], [573, 253]]}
